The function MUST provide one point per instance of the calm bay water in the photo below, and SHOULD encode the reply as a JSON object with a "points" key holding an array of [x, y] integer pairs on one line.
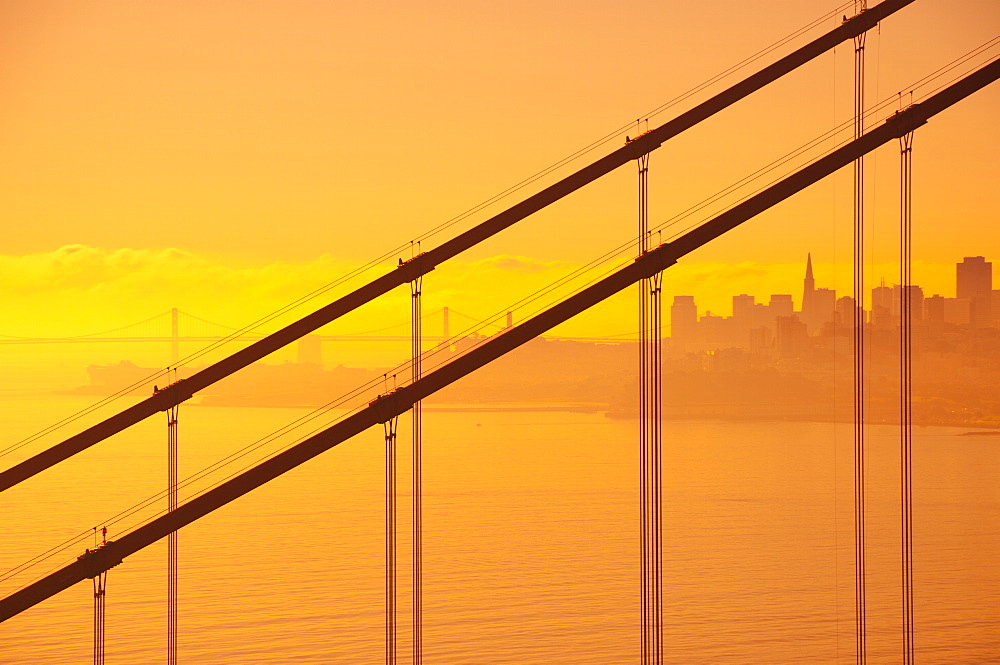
{"points": [[531, 544]]}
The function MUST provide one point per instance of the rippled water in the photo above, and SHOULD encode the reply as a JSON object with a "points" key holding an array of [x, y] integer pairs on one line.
{"points": [[531, 545]]}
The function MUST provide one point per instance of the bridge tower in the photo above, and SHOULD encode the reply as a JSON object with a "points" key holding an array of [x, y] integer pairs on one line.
{"points": [[175, 337]]}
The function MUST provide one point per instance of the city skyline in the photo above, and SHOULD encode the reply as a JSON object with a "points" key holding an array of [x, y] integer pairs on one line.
{"points": [[973, 281]]}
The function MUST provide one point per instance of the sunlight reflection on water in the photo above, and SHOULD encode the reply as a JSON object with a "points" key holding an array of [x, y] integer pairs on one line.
{"points": [[531, 546]]}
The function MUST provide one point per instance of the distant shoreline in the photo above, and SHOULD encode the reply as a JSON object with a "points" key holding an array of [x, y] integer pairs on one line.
{"points": [[702, 411], [718, 412]]}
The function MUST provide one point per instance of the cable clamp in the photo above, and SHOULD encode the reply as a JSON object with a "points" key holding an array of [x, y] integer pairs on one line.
{"points": [[905, 121], [386, 406], [418, 263], [172, 395], [658, 259], [98, 560]]}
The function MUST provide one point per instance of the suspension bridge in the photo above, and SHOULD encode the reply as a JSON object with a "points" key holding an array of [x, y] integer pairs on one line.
{"points": [[640, 264], [175, 327]]}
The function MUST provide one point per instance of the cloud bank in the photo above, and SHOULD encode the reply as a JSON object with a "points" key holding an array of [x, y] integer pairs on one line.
{"points": [[78, 289]]}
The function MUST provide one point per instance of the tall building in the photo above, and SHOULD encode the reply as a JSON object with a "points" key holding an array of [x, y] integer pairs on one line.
{"points": [[714, 332], [974, 277], [845, 311], [818, 305], [743, 308], [957, 311], [781, 305], [809, 286], [824, 306], [791, 337], [974, 282], [934, 309], [683, 318], [882, 307], [744, 320], [916, 302]]}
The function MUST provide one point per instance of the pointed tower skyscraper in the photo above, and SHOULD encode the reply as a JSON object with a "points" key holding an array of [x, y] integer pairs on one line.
{"points": [[809, 290]]}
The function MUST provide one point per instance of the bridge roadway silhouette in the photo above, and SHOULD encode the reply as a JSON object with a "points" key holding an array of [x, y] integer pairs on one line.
{"points": [[392, 404], [233, 334]]}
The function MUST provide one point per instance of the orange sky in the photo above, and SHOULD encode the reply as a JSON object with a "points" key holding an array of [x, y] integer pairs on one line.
{"points": [[262, 136]]}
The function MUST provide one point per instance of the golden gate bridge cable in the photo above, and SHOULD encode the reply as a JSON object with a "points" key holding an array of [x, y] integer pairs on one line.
{"points": [[314, 415], [29, 562], [450, 248], [223, 341], [250, 448], [188, 481], [160, 373], [617, 132], [498, 315], [397, 402], [228, 459], [871, 112], [220, 463], [291, 426], [234, 456], [801, 150]]}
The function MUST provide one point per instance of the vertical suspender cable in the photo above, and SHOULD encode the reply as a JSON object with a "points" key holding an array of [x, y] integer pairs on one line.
{"points": [[100, 584], [656, 458], [859, 356], [390, 540], [98, 620], [172, 434], [645, 504], [650, 436], [416, 288], [906, 390]]}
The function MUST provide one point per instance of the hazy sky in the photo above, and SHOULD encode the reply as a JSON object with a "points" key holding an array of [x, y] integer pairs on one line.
{"points": [[275, 132]]}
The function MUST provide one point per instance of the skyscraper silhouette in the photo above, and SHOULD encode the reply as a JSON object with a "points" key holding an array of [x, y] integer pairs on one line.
{"points": [[974, 277], [974, 282], [809, 287]]}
